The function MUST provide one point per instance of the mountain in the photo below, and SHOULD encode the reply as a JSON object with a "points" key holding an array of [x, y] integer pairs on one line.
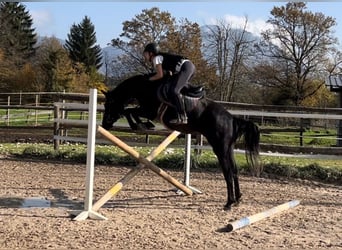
{"points": [[109, 53], [41, 38]]}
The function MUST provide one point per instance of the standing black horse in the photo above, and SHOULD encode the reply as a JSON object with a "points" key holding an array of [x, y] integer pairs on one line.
{"points": [[206, 117]]}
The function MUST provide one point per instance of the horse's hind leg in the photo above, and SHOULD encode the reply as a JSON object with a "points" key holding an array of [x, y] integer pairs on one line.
{"points": [[223, 157], [234, 194], [235, 175]]}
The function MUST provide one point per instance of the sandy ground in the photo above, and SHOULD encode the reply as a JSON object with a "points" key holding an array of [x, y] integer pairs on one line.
{"points": [[148, 214]]}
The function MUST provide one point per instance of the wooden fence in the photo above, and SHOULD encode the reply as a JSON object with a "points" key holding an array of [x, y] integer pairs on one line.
{"points": [[298, 118]]}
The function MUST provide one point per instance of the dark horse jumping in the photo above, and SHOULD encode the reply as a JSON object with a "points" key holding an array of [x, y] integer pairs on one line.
{"points": [[206, 117]]}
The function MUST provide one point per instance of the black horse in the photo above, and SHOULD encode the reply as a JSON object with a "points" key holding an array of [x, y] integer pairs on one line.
{"points": [[206, 117]]}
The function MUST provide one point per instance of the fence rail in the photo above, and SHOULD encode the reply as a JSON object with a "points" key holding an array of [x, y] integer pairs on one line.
{"points": [[299, 116], [62, 122]]}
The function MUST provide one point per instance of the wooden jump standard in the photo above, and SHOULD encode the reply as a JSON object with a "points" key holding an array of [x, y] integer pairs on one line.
{"points": [[89, 210]]}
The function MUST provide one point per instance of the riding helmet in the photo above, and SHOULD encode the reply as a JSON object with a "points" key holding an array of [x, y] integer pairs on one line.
{"points": [[152, 47]]}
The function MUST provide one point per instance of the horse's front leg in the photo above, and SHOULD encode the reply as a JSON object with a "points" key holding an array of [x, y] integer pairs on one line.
{"points": [[128, 114]]}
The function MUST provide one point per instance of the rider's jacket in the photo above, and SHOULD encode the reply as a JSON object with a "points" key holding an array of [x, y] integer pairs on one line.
{"points": [[171, 62]]}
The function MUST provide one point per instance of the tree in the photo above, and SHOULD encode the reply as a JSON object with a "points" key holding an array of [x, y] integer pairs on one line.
{"points": [[55, 68], [81, 45], [6, 72], [227, 50], [186, 40], [153, 25], [297, 51], [17, 37]]}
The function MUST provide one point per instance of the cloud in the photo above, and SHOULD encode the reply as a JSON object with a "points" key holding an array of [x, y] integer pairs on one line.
{"points": [[254, 26]]}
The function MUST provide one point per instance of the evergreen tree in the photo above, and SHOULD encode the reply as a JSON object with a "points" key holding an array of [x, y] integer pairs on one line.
{"points": [[17, 37], [81, 45]]}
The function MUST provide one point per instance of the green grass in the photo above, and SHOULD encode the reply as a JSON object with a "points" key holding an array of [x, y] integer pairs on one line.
{"points": [[274, 166], [26, 117], [323, 138]]}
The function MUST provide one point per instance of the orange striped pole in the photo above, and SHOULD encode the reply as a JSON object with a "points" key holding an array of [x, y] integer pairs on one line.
{"points": [[118, 186], [129, 150]]}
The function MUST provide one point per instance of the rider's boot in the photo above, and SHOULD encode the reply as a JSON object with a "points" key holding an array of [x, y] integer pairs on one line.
{"points": [[180, 107]]}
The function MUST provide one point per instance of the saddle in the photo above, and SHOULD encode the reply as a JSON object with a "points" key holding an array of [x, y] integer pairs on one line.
{"points": [[190, 94], [193, 91]]}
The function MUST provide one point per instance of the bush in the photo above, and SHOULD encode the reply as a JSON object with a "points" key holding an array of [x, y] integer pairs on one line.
{"points": [[327, 171]]}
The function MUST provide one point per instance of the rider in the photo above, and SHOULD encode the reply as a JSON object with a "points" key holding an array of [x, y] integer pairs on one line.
{"points": [[181, 70]]}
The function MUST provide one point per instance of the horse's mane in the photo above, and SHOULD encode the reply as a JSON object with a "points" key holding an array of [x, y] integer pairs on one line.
{"points": [[128, 83], [137, 88], [136, 84]]}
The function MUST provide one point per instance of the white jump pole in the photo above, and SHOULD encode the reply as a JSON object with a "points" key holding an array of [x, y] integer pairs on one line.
{"points": [[187, 161], [256, 217], [187, 164], [88, 202]]}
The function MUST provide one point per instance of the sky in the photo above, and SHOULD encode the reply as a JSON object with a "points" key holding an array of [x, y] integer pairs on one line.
{"points": [[56, 18]]}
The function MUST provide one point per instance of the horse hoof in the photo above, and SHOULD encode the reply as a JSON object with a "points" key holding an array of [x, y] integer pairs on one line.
{"points": [[149, 125], [236, 203], [227, 208], [141, 127], [134, 128]]}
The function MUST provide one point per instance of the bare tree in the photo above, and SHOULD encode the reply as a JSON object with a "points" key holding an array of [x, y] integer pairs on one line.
{"points": [[334, 65], [227, 50]]}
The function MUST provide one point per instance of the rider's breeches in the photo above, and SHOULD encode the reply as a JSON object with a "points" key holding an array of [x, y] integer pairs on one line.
{"points": [[181, 80]]}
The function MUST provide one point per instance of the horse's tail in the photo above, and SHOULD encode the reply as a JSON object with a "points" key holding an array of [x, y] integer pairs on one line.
{"points": [[251, 135]]}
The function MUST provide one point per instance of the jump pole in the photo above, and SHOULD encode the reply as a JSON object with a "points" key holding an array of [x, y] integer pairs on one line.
{"points": [[118, 186], [129, 150], [259, 216]]}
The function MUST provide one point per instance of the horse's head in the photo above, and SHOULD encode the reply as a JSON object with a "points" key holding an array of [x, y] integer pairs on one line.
{"points": [[138, 88], [113, 110]]}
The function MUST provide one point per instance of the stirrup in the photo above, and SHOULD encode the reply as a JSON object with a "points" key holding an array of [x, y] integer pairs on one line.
{"points": [[179, 120]]}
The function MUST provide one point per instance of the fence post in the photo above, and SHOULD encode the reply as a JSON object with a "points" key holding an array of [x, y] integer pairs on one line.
{"points": [[8, 111], [199, 142], [339, 124], [304, 124], [56, 129], [20, 97], [36, 112]]}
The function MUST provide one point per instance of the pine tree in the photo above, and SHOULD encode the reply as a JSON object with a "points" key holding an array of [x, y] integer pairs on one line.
{"points": [[81, 45], [17, 37]]}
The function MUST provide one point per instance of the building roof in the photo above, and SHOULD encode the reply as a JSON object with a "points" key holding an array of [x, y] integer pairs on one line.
{"points": [[334, 82]]}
